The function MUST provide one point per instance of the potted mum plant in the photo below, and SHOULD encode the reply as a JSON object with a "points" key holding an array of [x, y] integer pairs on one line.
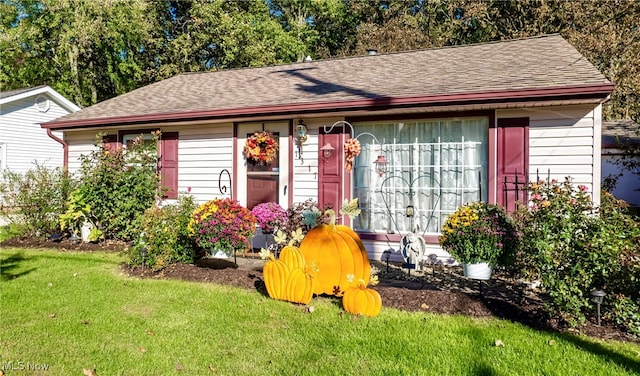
{"points": [[270, 216], [222, 226], [480, 236]]}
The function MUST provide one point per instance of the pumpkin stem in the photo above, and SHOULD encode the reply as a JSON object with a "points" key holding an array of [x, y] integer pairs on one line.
{"points": [[332, 216]]}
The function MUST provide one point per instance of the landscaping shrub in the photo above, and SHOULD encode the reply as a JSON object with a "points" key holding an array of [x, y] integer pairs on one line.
{"points": [[304, 216], [572, 249], [119, 184], [624, 312], [621, 232], [78, 213], [34, 200], [165, 235]]}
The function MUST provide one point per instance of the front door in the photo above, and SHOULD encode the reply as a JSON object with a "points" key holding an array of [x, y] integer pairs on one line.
{"points": [[267, 182]]}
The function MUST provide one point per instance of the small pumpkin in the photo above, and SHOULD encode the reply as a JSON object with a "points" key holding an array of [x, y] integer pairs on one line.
{"points": [[335, 251], [360, 300], [275, 274], [292, 256], [300, 287]]}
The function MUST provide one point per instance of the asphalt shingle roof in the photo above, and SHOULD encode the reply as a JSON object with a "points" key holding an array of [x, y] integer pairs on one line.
{"points": [[11, 93], [535, 63]]}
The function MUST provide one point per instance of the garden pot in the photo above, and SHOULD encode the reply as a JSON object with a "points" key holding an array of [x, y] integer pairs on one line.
{"points": [[261, 239], [219, 253], [477, 271], [85, 231]]}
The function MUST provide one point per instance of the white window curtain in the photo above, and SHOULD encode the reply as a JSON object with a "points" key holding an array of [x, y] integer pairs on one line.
{"points": [[434, 166]]}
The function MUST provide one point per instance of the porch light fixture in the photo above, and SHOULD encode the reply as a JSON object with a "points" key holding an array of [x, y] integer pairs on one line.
{"points": [[327, 151], [597, 296], [381, 165], [301, 136], [301, 131]]}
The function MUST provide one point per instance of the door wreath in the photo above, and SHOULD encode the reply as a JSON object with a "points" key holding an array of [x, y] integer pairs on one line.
{"points": [[261, 148]]}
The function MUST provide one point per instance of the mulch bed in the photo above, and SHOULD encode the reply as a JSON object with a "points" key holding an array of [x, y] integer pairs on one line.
{"points": [[440, 290]]}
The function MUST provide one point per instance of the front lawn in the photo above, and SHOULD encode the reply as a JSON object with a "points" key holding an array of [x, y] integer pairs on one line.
{"points": [[61, 312]]}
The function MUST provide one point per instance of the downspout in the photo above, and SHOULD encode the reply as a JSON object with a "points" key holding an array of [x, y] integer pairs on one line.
{"points": [[65, 148]]}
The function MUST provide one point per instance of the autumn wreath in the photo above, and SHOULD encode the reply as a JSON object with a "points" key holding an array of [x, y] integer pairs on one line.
{"points": [[261, 148]]}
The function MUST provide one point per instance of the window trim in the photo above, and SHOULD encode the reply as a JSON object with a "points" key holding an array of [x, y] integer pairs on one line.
{"points": [[120, 139], [491, 158]]}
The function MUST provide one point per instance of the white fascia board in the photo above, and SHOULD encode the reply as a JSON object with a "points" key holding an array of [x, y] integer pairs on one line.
{"points": [[57, 97]]}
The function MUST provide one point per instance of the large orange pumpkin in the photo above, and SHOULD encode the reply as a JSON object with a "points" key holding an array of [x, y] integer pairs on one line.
{"points": [[335, 251], [299, 287], [275, 274], [360, 300]]}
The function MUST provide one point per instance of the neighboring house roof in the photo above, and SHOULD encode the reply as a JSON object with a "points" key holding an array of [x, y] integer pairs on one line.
{"points": [[534, 69], [19, 94], [613, 132]]}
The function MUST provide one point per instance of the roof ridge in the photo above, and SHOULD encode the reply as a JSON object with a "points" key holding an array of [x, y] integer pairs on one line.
{"points": [[448, 47]]}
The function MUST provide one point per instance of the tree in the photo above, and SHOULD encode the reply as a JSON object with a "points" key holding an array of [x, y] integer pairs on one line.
{"points": [[91, 51], [87, 50]]}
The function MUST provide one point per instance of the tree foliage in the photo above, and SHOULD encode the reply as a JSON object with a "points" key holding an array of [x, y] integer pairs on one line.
{"points": [[94, 50]]}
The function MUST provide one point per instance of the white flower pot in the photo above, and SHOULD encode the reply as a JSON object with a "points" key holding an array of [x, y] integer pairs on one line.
{"points": [[218, 253], [85, 231], [477, 271]]}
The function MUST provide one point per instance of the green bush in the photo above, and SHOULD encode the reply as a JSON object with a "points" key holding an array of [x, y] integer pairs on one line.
{"points": [[34, 200], [77, 214], [624, 312], [557, 229], [574, 250], [620, 233], [119, 185], [165, 235]]}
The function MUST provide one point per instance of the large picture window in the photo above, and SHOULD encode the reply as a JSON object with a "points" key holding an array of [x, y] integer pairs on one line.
{"points": [[434, 166]]}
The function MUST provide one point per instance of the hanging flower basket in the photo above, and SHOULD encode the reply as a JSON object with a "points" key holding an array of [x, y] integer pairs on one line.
{"points": [[261, 148]]}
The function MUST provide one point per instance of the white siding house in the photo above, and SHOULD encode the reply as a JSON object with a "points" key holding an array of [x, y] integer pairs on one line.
{"points": [[456, 124], [23, 142], [628, 182]]}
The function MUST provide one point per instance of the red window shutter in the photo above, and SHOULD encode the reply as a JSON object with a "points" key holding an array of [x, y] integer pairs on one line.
{"points": [[513, 161], [333, 181], [169, 163], [110, 141]]}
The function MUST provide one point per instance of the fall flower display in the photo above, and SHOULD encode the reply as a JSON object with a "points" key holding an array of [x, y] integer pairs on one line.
{"points": [[222, 224], [271, 216], [480, 232], [261, 148]]}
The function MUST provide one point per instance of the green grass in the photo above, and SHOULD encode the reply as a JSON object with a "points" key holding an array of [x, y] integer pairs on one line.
{"points": [[68, 311]]}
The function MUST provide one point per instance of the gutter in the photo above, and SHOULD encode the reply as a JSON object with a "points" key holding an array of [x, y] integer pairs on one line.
{"points": [[65, 148]]}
